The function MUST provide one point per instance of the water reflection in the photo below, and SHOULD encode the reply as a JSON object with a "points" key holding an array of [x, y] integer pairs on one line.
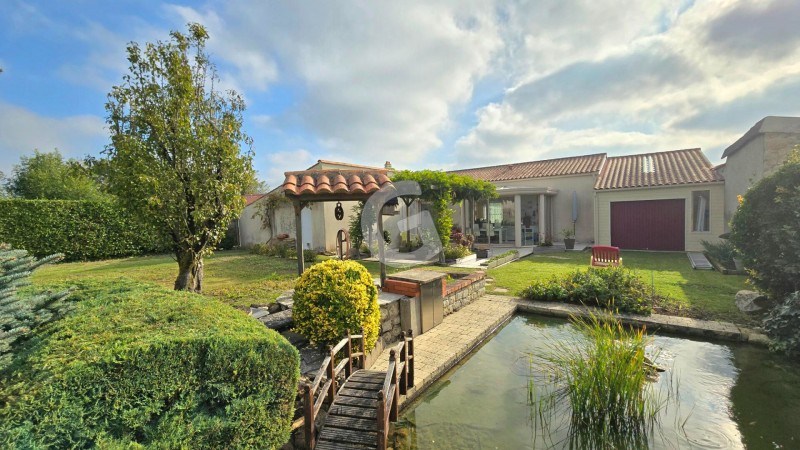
{"points": [[730, 396]]}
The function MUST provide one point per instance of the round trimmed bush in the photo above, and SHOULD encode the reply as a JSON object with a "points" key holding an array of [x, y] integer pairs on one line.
{"points": [[333, 297]]}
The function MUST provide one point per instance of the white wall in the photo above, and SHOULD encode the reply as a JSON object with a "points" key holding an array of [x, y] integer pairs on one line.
{"points": [[742, 169], [603, 201]]}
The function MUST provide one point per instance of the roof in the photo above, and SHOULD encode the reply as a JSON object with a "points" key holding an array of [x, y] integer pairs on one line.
{"points": [[676, 167], [249, 199], [339, 183], [769, 124], [575, 165], [338, 163]]}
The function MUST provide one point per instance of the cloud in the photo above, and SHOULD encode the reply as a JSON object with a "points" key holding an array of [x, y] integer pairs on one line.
{"points": [[22, 131], [764, 31], [379, 82], [273, 166]]}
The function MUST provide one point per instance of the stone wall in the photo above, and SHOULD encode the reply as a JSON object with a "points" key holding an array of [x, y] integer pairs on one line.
{"points": [[461, 293], [390, 321]]}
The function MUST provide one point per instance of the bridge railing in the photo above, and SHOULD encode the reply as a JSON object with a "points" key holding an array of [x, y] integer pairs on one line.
{"points": [[399, 378], [314, 394]]}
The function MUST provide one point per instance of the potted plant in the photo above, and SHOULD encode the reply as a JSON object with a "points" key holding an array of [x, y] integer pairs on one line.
{"points": [[569, 238]]}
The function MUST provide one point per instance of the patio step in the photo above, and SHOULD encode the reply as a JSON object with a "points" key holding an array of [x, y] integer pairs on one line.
{"points": [[699, 261]]}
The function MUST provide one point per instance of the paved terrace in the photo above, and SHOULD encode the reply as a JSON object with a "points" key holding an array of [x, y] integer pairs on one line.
{"points": [[441, 348]]}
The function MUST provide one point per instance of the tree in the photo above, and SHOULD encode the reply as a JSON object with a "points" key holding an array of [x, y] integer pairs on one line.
{"points": [[48, 176], [766, 230], [176, 156], [20, 315]]}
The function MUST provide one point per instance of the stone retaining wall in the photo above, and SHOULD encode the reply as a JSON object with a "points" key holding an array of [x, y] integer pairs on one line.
{"points": [[390, 322], [464, 291]]}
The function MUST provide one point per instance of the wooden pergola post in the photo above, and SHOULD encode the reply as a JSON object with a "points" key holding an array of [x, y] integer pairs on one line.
{"points": [[298, 230]]}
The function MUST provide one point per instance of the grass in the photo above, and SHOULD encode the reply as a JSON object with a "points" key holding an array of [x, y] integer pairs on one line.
{"points": [[605, 377], [243, 279], [698, 293], [236, 277]]}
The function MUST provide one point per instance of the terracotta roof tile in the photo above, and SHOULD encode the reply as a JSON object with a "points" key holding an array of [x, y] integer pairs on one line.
{"points": [[574, 165], [657, 169], [336, 181], [249, 199]]}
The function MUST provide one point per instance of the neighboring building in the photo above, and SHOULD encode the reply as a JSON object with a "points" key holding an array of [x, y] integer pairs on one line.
{"points": [[318, 221], [755, 155]]}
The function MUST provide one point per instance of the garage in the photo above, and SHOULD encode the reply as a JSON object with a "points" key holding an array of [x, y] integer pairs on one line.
{"points": [[649, 224]]}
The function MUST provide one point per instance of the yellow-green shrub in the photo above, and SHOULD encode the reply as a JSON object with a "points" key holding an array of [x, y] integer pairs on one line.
{"points": [[333, 297]]}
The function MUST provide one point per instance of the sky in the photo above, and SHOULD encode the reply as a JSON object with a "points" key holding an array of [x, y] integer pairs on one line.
{"points": [[423, 84]]}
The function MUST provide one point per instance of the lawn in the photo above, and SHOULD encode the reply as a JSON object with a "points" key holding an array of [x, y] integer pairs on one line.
{"points": [[236, 276], [699, 293], [242, 279]]}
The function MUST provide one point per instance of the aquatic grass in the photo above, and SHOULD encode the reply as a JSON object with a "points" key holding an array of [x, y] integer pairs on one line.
{"points": [[603, 375]]}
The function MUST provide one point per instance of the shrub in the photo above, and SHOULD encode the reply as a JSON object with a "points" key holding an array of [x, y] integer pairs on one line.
{"points": [[458, 237], [309, 256], [333, 297], [139, 364], [406, 246], [277, 249], [766, 230], [609, 287], [782, 325], [722, 251], [455, 251], [81, 230]]}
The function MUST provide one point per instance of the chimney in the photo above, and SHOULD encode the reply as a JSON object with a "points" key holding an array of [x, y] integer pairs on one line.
{"points": [[388, 165]]}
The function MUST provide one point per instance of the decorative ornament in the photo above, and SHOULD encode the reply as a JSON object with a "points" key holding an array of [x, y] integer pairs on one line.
{"points": [[339, 211]]}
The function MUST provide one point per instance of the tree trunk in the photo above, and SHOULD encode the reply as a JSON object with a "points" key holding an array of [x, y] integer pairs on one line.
{"points": [[190, 273]]}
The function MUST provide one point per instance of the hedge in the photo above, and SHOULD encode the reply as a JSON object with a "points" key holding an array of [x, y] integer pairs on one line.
{"points": [[81, 230], [138, 365]]}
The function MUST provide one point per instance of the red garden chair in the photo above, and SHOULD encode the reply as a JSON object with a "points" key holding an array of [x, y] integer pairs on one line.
{"points": [[604, 256]]}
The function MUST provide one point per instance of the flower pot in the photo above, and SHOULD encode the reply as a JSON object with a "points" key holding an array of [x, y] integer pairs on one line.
{"points": [[569, 243], [738, 264]]}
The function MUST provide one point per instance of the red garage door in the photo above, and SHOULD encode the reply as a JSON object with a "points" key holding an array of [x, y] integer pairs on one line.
{"points": [[648, 225]]}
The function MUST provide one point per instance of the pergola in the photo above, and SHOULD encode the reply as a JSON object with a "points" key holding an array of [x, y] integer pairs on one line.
{"points": [[333, 185]]}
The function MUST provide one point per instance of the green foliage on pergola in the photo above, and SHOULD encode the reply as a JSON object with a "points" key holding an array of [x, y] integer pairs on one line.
{"points": [[441, 189]]}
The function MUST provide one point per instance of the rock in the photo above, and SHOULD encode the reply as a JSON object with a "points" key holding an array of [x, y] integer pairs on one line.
{"points": [[752, 301], [278, 321], [258, 313], [298, 340], [285, 300], [274, 308]]}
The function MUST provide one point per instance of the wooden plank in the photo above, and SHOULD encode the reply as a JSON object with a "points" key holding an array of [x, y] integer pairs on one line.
{"points": [[362, 379], [325, 445], [358, 393], [363, 385], [351, 423], [356, 401], [339, 435], [369, 374], [353, 411]]}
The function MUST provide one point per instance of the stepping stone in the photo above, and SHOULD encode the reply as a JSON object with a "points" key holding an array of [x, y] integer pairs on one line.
{"points": [[501, 290], [258, 313], [278, 321], [285, 300]]}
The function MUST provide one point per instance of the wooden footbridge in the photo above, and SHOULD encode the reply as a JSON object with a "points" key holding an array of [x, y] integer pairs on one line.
{"points": [[361, 409]]}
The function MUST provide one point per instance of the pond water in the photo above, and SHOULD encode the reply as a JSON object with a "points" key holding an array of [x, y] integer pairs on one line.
{"points": [[729, 396]]}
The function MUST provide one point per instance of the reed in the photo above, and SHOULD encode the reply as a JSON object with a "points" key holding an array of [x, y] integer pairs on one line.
{"points": [[603, 375]]}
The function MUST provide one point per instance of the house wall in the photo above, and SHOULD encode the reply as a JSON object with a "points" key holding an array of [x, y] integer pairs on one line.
{"points": [[777, 147], [251, 231], [603, 201], [742, 169]]}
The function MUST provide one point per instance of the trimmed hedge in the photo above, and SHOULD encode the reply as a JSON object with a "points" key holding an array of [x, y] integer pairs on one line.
{"points": [[139, 365], [614, 288], [81, 230], [334, 296]]}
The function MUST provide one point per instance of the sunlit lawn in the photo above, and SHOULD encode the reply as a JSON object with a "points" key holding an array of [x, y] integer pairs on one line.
{"points": [[243, 279], [704, 293]]}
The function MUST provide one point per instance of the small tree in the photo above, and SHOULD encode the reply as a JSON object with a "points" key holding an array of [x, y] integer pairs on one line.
{"points": [[766, 230], [48, 176], [175, 153], [19, 315]]}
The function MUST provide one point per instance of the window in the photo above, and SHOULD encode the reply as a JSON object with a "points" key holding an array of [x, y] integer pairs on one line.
{"points": [[700, 210], [496, 212]]}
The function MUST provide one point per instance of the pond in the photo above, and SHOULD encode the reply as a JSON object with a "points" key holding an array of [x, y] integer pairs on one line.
{"points": [[728, 396]]}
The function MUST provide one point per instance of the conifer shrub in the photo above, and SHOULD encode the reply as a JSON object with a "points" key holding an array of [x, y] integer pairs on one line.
{"points": [[140, 365], [335, 296]]}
